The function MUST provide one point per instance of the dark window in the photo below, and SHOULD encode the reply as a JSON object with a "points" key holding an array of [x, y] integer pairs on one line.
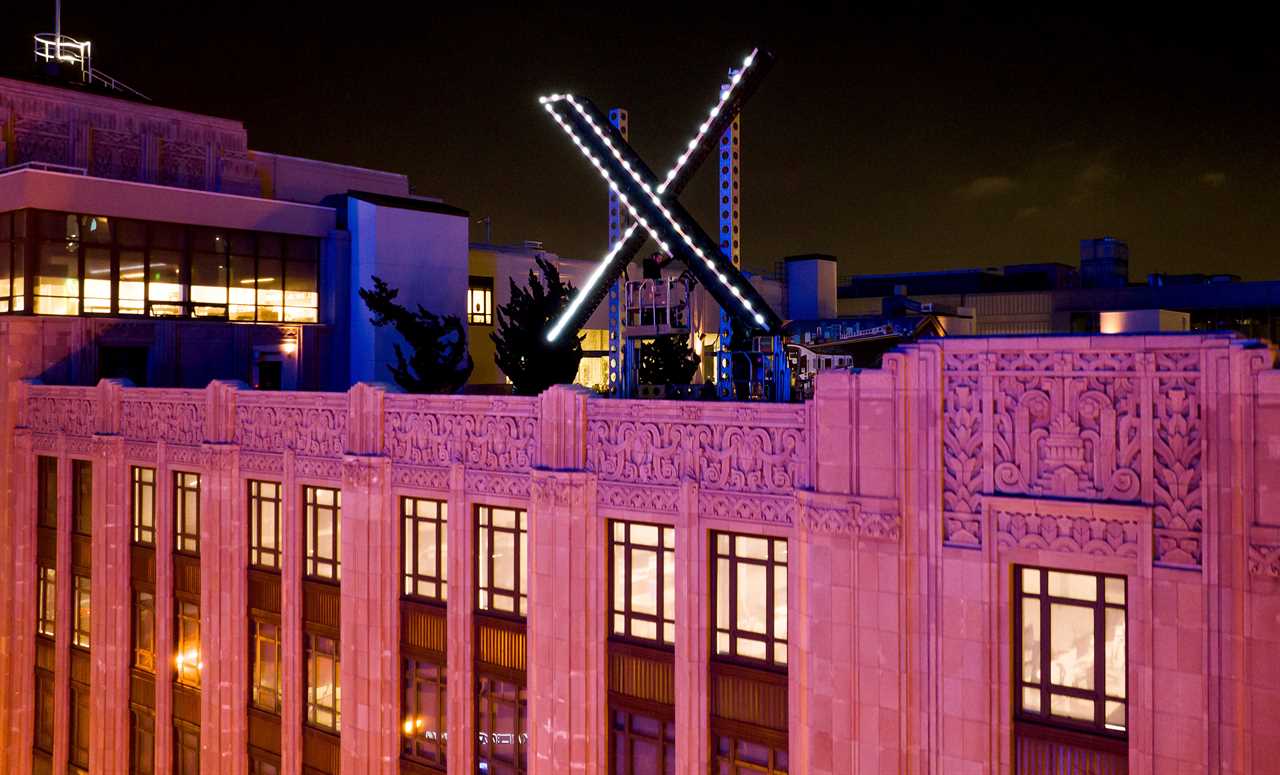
{"points": [[144, 630], [501, 723], [259, 765], [264, 525], [641, 745], [47, 491], [323, 517], [269, 368], [425, 701], [80, 611], [186, 749], [642, 582], [142, 747], [1070, 637], [425, 548], [264, 645], [744, 757], [79, 724], [502, 560], [142, 504], [323, 681], [188, 662], [749, 577], [46, 601], [82, 497], [186, 512], [44, 721], [480, 301]]}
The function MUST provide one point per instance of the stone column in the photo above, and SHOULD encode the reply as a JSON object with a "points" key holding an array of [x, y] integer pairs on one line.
{"points": [[224, 560], [62, 617], [461, 688], [693, 743], [164, 611], [19, 547], [291, 665], [370, 610], [370, 618], [568, 695], [111, 650]]}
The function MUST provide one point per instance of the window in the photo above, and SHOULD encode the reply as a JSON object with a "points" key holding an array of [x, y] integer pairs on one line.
{"points": [[324, 538], [642, 581], [262, 766], [186, 749], [142, 741], [425, 548], [46, 600], [264, 525], [1070, 635], [6, 260], [187, 661], [324, 692], [143, 504], [264, 654], [47, 491], [144, 631], [80, 611], [57, 286], [44, 721], [79, 724], [425, 701], [186, 512], [641, 745], [502, 560], [501, 718], [750, 581], [480, 301], [82, 497], [744, 757]]}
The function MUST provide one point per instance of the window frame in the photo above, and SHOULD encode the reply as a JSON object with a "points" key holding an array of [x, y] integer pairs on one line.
{"points": [[486, 591], [1046, 688], [313, 560], [143, 645], [311, 656], [81, 621], [737, 766], [257, 643], [186, 620], [257, 550], [47, 491], [183, 733], [79, 703], [480, 284], [665, 744], [139, 733], [185, 541], [44, 711], [142, 505], [663, 620], [734, 632], [81, 497], [411, 683], [485, 710], [46, 601], [413, 577]]}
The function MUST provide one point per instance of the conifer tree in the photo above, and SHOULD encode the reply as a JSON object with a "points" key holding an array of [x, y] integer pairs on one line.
{"points": [[523, 353], [440, 362], [667, 360]]}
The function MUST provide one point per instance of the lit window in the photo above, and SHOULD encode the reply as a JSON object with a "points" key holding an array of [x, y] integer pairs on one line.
{"points": [[47, 491], [323, 518], [642, 744], [142, 740], [740, 757], [301, 290], [1070, 636], [186, 512], [480, 301], [502, 560], [82, 497], [144, 631], [425, 700], [501, 718], [143, 504], [750, 606], [264, 641], [46, 601], [425, 548], [80, 611], [187, 661], [57, 286], [642, 581], [324, 691], [264, 525], [6, 260]]}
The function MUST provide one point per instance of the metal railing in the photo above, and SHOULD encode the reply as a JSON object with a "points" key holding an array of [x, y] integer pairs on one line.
{"points": [[659, 306]]}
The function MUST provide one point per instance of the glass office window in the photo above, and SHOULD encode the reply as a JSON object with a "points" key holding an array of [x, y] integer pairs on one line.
{"points": [[80, 611], [323, 518], [502, 721], [186, 512], [480, 301], [264, 652], [642, 585], [144, 630], [425, 543], [47, 491], [735, 756], [142, 741], [424, 702], [323, 691], [187, 662], [142, 504], [82, 497], [502, 560], [749, 576], [641, 744], [46, 601], [264, 525]]}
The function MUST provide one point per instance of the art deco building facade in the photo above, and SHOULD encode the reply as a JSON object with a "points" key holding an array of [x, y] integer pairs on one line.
{"points": [[1008, 555]]}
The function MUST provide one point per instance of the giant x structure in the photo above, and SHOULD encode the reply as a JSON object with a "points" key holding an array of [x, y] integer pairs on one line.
{"points": [[655, 211]]}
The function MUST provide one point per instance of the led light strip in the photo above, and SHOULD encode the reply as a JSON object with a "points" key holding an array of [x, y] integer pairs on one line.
{"points": [[603, 265]]}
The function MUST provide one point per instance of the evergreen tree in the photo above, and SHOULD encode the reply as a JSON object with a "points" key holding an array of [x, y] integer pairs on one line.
{"points": [[523, 353], [667, 360], [440, 362]]}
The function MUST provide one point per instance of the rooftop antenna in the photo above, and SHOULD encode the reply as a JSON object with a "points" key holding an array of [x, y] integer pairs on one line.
{"points": [[57, 51]]}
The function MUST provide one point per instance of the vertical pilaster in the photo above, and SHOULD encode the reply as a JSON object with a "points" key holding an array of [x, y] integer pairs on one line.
{"points": [[461, 751], [291, 666], [20, 624], [62, 618], [164, 611], [693, 744]]}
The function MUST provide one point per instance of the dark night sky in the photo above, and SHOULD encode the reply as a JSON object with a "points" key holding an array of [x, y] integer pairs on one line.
{"points": [[896, 143]]}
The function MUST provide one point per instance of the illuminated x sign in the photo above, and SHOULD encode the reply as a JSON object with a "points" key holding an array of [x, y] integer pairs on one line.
{"points": [[653, 206]]}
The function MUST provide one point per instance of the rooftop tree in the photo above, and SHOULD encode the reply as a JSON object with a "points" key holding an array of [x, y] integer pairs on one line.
{"points": [[523, 353], [440, 362]]}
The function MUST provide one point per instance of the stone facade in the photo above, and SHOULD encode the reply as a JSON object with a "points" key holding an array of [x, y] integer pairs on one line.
{"points": [[906, 495]]}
